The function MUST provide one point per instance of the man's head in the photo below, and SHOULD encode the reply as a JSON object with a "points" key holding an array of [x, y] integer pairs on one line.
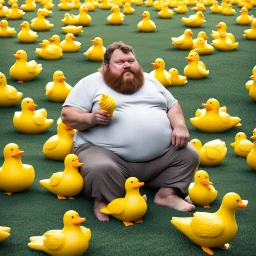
{"points": [[121, 70]]}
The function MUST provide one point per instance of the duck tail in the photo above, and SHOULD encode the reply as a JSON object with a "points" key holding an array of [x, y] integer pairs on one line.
{"points": [[105, 210], [36, 242]]}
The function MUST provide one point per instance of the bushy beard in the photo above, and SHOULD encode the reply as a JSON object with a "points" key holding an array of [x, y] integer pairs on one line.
{"points": [[123, 85]]}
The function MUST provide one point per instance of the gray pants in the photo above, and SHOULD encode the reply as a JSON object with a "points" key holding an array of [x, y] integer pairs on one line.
{"points": [[105, 172]]}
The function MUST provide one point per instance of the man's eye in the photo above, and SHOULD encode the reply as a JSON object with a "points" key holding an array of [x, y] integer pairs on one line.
{"points": [[131, 61]]}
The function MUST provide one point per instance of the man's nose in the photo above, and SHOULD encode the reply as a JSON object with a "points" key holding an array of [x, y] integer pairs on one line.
{"points": [[127, 65]]}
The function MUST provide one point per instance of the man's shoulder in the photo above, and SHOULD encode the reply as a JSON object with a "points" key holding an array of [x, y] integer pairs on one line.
{"points": [[95, 75]]}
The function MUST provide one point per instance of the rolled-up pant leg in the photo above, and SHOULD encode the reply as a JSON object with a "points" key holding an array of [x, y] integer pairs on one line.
{"points": [[104, 172]]}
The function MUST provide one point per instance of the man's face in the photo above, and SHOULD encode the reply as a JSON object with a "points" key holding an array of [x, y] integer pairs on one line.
{"points": [[123, 73], [123, 63]]}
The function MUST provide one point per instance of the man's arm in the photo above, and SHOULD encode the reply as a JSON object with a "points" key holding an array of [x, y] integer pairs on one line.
{"points": [[180, 134], [78, 119]]}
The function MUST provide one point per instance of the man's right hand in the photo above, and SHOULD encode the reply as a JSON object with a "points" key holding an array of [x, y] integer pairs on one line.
{"points": [[100, 117]]}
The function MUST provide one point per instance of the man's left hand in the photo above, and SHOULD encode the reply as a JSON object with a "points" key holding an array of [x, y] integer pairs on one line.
{"points": [[180, 136]]}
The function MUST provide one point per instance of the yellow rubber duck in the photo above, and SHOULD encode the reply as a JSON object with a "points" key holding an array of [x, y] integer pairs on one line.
{"points": [[242, 146], [4, 233], [55, 40], [76, 4], [59, 242], [116, 18], [251, 157], [165, 12], [176, 79], [96, 52], [26, 35], [222, 27], [195, 20], [3, 10], [214, 120], [105, 5], [132, 207], [68, 183], [60, 145], [149, 3], [174, 3], [228, 10], [201, 191], [181, 8], [58, 89], [212, 153], [29, 6], [83, 18], [215, 8], [212, 229], [47, 4], [224, 43], [128, 9], [251, 85], [22, 70], [14, 175], [157, 4], [64, 5], [5, 30], [139, 2], [89, 4], [14, 13], [49, 51], [244, 18], [75, 30], [69, 19], [146, 25], [40, 23], [160, 73], [200, 34], [195, 69], [9, 95], [46, 13], [29, 120], [202, 48], [69, 44], [199, 7], [251, 33], [185, 41]]}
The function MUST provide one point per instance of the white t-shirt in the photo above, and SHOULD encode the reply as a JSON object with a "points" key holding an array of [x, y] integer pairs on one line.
{"points": [[140, 130]]}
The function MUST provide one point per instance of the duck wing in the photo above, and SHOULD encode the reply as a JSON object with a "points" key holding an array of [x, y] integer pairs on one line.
{"points": [[206, 224], [39, 119], [51, 142], [117, 206], [225, 117], [54, 239], [55, 179]]}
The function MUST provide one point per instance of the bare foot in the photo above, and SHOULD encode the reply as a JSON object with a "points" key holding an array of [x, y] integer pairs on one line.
{"points": [[96, 208], [188, 200], [167, 197]]}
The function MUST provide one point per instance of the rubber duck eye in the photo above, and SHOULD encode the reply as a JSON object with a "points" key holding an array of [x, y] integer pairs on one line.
{"points": [[237, 200], [11, 149], [199, 176], [131, 181], [72, 217]]}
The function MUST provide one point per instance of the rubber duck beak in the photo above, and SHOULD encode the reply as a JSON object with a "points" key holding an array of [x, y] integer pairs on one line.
{"points": [[252, 77], [188, 59], [32, 107], [61, 79], [155, 65], [138, 185], [253, 137], [68, 128], [41, 44], [77, 165], [207, 106], [16, 56], [18, 154], [206, 182], [243, 204], [79, 221]]}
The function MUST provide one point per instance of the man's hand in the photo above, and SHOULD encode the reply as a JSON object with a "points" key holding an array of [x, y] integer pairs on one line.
{"points": [[180, 136], [100, 117]]}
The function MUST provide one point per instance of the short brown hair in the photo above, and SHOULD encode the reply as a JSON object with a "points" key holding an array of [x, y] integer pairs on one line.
{"points": [[125, 48]]}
